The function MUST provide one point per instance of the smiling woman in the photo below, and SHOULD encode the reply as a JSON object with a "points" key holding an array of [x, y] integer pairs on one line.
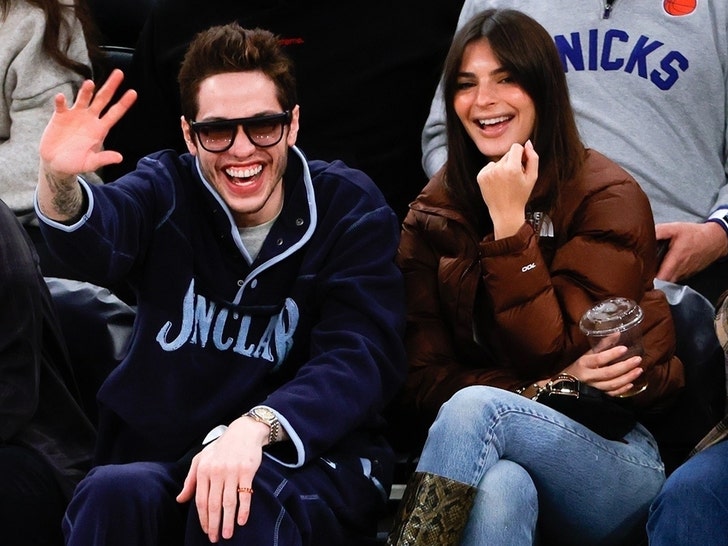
{"points": [[502, 252], [491, 105]]}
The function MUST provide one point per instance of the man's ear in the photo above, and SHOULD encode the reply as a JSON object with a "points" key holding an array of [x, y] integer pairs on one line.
{"points": [[188, 136], [293, 128]]}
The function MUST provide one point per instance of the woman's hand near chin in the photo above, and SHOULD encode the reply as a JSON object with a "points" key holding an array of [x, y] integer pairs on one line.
{"points": [[506, 185]]}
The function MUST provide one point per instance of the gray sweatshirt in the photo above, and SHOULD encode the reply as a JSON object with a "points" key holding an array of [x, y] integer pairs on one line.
{"points": [[650, 90], [31, 80]]}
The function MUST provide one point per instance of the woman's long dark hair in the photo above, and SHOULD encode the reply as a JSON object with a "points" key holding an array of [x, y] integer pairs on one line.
{"points": [[526, 50], [55, 23]]}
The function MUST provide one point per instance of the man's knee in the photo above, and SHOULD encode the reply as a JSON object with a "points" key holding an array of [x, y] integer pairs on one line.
{"points": [[134, 502], [140, 484]]}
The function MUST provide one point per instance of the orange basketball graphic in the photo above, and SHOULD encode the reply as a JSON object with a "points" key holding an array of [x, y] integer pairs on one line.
{"points": [[680, 7]]}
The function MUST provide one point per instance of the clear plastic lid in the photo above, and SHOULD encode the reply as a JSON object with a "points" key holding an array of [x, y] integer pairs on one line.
{"points": [[610, 316]]}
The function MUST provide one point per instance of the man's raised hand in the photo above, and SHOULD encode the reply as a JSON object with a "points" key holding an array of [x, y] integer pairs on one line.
{"points": [[72, 142]]}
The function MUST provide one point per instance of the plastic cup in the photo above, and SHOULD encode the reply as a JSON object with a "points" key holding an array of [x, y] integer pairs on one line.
{"points": [[612, 322]]}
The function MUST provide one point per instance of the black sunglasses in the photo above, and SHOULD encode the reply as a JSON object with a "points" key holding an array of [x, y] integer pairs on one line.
{"points": [[263, 131]]}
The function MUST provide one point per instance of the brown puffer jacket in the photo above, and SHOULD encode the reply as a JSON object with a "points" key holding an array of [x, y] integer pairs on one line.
{"points": [[522, 297]]}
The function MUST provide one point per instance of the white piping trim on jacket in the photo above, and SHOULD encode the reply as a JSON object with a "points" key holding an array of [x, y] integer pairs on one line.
{"points": [[311, 198]]}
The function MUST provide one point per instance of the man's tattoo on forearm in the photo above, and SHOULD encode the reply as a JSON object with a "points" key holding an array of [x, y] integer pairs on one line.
{"points": [[67, 196]]}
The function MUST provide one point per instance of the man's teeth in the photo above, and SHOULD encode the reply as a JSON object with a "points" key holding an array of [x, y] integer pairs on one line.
{"points": [[493, 121], [244, 173]]}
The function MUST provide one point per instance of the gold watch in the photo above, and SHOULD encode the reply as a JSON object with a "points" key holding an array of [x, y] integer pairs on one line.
{"points": [[263, 414]]}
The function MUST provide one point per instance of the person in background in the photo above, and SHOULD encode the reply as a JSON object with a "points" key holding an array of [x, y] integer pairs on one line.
{"points": [[44, 50], [46, 440], [692, 507], [365, 77], [649, 86], [270, 314], [503, 251]]}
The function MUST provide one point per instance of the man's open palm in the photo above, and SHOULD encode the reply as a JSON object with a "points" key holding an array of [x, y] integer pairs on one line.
{"points": [[72, 142]]}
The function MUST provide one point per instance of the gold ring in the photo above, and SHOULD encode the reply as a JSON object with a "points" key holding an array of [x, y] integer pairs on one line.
{"points": [[245, 490]]}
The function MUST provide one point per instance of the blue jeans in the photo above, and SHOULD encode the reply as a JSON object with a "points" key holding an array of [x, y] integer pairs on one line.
{"points": [[692, 507], [533, 466]]}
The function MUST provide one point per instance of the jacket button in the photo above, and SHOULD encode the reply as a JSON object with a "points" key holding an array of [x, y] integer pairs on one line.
{"points": [[299, 221]]}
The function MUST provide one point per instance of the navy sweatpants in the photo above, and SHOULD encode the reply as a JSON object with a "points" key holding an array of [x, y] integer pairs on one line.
{"points": [[321, 503]]}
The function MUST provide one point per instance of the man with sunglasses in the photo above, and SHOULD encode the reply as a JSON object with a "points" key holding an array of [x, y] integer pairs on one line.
{"points": [[269, 321]]}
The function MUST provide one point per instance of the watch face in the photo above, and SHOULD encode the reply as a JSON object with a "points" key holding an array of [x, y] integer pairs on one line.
{"points": [[265, 413]]}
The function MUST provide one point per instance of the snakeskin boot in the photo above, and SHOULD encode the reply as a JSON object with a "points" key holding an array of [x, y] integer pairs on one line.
{"points": [[432, 512]]}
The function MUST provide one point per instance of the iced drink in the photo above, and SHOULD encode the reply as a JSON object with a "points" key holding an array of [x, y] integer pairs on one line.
{"points": [[612, 322]]}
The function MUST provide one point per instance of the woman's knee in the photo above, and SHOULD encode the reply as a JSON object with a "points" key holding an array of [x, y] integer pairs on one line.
{"points": [[479, 406], [466, 403], [505, 509], [507, 491]]}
